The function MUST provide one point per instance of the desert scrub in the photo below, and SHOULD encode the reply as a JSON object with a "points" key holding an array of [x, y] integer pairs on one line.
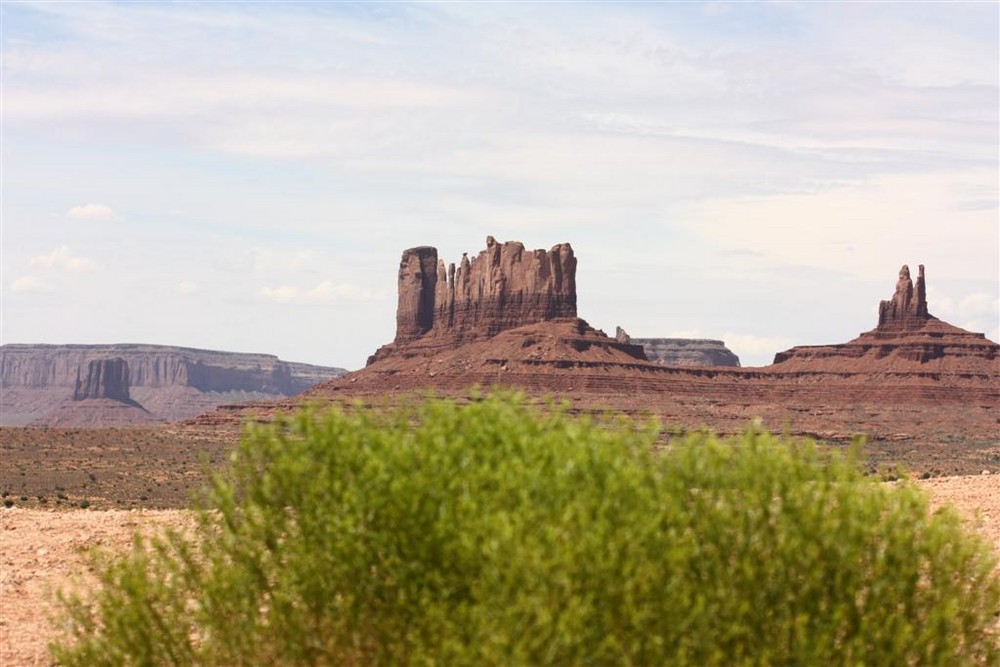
{"points": [[493, 533]]}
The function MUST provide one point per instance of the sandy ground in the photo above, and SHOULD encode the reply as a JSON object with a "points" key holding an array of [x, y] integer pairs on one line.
{"points": [[41, 550]]}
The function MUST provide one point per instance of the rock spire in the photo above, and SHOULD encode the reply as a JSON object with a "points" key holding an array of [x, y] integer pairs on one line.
{"points": [[907, 309]]}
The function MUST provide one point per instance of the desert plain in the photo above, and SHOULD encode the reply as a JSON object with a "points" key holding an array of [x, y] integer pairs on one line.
{"points": [[918, 395]]}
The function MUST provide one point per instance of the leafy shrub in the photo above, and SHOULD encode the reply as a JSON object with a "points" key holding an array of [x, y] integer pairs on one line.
{"points": [[495, 534]]}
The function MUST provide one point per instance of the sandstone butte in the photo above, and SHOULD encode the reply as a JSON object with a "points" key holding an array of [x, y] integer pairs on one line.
{"points": [[101, 397], [508, 317]]}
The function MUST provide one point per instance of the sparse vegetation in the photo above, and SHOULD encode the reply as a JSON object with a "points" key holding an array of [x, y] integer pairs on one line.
{"points": [[494, 534]]}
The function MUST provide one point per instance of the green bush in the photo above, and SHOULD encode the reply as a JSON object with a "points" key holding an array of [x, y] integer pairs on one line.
{"points": [[496, 534]]}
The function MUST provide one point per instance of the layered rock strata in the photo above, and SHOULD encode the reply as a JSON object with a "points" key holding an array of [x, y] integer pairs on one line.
{"points": [[505, 286], [171, 382], [684, 352]]}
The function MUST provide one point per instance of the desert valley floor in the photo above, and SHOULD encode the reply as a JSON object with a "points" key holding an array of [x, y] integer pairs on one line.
{"points": [[44, 550], [924, 395]]}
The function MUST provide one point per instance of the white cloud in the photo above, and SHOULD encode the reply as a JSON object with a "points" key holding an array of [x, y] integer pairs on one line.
{"points": [[282, 294], [978, 305], [324, 292], [327, 291], [978, 312], [756, 350], [265, 260], [64, 259], [865, 229], [28, 285], [92, 212]]}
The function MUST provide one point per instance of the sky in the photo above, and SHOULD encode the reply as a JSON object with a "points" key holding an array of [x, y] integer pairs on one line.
{"points": [[245, 175]]}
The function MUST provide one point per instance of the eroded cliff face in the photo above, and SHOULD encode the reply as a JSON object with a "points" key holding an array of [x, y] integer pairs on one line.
{"points": [[505, 286], [105, 378], [171, 382]]}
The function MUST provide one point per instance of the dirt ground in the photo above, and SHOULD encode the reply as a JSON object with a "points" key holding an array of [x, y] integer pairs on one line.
{"points": [[42, 550]]}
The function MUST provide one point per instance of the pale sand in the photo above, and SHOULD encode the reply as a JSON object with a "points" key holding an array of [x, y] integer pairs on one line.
{"points": [[40, 551]]}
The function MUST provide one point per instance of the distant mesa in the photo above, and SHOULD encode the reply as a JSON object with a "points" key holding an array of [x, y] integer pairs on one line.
{"points": [[683, 351], [172, 383]]}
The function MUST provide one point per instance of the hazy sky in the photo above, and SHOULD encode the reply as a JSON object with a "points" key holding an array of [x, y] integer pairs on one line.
{"points": [[244, 176]]}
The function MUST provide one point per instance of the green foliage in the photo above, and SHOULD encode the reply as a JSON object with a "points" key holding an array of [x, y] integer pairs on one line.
{"points": [[495, 534]]}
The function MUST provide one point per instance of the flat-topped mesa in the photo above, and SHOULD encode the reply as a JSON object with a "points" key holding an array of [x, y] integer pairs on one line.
{"points": [[681, 352], [503, 287], [106, 378], [907, 309]]}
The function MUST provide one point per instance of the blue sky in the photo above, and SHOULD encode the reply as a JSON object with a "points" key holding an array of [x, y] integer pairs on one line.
{"points": [[244, 176]]}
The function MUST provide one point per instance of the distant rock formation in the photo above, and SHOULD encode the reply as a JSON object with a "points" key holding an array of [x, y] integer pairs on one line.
{"points": [[100, 399], [907, 309], [171, 382], [874, 384], [907, 337], [106, 378], [503, 287], [682, 351]]}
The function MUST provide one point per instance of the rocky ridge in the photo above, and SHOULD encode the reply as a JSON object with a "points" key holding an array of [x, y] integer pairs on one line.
{"points": [[171, 382]]}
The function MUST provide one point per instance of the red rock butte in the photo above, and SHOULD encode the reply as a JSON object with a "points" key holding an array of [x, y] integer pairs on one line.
{"points": [[503, 287], [508, 318]]}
